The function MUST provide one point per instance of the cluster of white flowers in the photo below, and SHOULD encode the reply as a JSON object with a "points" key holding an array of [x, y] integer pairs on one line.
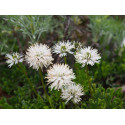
{"points": [[14, 58], [72, 92], [39, 55], [60, 76], [62, 48], [87, 56]]}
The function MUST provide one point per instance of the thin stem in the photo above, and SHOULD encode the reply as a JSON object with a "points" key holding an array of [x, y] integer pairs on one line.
{"points": [[47, 96], [76, 107], [65, 60], [26, 75], [90, 86], [61, 102]]}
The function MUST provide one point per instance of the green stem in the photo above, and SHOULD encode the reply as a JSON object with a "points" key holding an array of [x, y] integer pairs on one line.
{"points": [[76, 107], [61, 102], [47, 96], [65, 60], [90, 86], [26, 75]]}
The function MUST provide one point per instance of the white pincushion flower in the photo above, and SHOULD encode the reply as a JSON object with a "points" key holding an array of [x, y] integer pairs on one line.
{"points": [[59, 75], [77, 45], [87, 56], [39, 55], [62, 48], [72, 92], [14, 58]]}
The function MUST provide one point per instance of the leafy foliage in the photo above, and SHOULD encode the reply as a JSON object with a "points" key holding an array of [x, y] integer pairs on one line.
{"points": [[106, 99], [107, 28], [107, 31], [32, 26]]}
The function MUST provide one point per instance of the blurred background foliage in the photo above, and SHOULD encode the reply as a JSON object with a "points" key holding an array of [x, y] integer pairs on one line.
{"points": [[106, 33]]}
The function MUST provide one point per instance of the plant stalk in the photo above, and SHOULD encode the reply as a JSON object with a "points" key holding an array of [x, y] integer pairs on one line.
{"points": [[61, 102], [47, 96], [87, 74], [65, 60], [26, 75]]}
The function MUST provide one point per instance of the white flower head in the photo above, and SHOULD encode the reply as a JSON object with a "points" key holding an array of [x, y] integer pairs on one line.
{"points": [[14, 58], [87, 56], [59, 75], [38, 56], [72, 92], [62, 48], [77, 45]]}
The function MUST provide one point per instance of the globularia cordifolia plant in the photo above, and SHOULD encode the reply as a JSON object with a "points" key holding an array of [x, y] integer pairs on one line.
{"points": [[60, 77]]}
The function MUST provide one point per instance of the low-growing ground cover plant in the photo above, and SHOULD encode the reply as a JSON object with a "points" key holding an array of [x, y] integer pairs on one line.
{"points": [[45, 70]]}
